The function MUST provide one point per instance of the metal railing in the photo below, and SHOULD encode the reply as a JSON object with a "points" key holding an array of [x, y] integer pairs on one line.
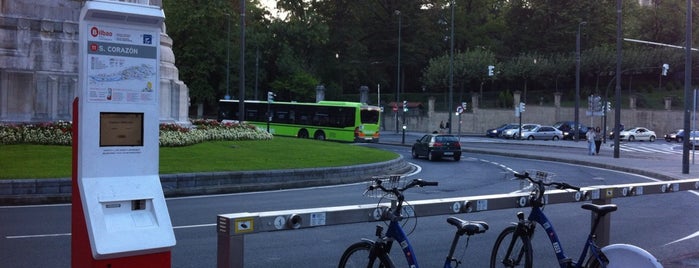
{"points": [[233, 227]]}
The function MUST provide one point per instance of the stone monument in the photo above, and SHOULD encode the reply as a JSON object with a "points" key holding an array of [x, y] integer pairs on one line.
{"points": [[39, 63]]}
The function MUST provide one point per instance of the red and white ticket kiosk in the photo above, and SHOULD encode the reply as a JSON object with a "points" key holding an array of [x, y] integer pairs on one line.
{"points": [[120, 218]]}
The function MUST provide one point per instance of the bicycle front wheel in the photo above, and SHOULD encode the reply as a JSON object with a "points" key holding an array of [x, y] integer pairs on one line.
{"points": [[511, 250], [359, 255]]}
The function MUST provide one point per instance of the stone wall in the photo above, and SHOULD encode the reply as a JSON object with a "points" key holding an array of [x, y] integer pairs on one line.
{"points": [[478, 120], [39, 63]]}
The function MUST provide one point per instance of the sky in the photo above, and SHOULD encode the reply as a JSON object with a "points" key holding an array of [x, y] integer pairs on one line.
{"points": [[270, 5]]}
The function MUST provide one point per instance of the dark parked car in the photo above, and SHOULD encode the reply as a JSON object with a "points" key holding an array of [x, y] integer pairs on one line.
{"points": [[677, 135], [435, 146], [569, 131], [497, 132], [611, 133]]}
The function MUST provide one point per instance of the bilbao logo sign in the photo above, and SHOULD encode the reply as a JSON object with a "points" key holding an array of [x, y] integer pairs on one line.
{"points": [[94, 31]]}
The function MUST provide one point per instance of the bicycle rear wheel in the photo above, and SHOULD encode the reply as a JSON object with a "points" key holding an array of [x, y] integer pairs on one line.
{"points": [[359, 255], [511, 250]]}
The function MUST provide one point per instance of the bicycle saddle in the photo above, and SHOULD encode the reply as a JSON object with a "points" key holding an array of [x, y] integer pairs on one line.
{"points": [[468, 227], [601, 210]]}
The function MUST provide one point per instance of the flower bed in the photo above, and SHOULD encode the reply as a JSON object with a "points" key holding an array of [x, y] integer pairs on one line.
{"points": [[171, 135]]}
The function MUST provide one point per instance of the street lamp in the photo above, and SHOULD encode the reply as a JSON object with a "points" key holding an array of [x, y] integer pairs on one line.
{"points": [[451, 66], [228, 58], [577, 82], [397, 12], [241, 62]]}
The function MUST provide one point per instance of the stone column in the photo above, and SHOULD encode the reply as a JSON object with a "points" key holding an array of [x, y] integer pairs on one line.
{"points": [[557, 99], [557, 105], [474, 103], [364, 94], [320, 93], [516, 96], [174, 93]]}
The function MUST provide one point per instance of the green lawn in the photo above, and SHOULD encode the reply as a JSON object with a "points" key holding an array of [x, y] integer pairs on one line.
{"points": [[48, 161]]}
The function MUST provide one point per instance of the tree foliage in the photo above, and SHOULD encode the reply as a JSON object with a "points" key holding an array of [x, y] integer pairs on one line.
{"points": [[346, 44]]}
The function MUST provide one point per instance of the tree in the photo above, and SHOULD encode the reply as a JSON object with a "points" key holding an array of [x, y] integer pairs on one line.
{"points": [[298, 52], [200, 54], [524, 67]]}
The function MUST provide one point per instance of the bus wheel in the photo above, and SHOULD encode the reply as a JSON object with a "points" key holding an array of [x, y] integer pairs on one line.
{"points": [[303, 134], [320, 135]]}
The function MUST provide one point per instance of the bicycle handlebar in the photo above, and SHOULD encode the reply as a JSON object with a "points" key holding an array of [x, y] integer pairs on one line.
{"points": [[398, 191], [558, 185]]}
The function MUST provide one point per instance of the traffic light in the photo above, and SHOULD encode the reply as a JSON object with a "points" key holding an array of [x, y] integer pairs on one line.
{"points": [[270, 96], [491, 70], [666, 67], [594, 103], [597, 103], [521, 107], [405, 106], [609, 106]]}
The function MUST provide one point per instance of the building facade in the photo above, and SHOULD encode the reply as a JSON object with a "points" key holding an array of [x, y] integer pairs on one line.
{"points": [[39, 63]]}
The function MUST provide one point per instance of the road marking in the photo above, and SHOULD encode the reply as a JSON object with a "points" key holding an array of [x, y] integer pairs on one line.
{"points": [[35, 236], [69, 234], [683, 238], [194, 226]]}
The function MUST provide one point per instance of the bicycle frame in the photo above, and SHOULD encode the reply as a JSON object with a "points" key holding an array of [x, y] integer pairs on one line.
{"points": [[617, 255], [538, 216], [395, 233], [381, 247]]}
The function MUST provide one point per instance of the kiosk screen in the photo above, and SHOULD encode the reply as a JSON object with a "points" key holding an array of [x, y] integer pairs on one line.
{"points": [[121, 129]]}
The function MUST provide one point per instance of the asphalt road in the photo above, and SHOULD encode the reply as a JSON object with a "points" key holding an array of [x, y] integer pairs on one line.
{"points": [[38, 236]]}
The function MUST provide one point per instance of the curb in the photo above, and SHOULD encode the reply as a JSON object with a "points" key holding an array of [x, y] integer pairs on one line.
{"points": [[58, 190]]}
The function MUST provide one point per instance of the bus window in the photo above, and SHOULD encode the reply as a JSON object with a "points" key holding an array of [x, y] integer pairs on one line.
{"points": [[281, 117], [251, 115], [370, 117], [292, 116]]}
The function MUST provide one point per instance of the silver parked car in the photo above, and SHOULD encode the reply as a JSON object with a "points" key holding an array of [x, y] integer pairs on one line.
{"points": [[637, 133], [542, 133], [513, 133]]}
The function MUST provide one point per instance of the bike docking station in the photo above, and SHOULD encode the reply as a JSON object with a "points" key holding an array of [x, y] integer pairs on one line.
{"points": [[232, 228], [119, 214]]}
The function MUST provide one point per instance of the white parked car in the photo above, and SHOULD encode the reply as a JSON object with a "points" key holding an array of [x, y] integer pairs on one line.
{"points": [[542, 133], [637, 134], [514, 132]]}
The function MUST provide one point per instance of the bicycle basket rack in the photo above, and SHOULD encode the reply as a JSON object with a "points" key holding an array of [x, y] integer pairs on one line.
{"points": [[388, 182], [544, 176]]}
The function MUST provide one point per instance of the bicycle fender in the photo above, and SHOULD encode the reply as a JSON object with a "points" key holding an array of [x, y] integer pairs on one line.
{"points": [[625, 255]]}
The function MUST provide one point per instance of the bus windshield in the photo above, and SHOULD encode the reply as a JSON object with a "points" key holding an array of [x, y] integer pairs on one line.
{"points": [[370, 116]]}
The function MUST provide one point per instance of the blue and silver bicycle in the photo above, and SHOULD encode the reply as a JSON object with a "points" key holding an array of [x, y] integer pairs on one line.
{"points": [[375, 253], [513, 246]]}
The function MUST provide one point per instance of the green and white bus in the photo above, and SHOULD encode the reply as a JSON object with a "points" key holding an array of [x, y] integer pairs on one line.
{"points": [[331, 120]]}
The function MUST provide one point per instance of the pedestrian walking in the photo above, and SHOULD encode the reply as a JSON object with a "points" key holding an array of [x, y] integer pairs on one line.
{"points": [[590, 135], [598, 139]]}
